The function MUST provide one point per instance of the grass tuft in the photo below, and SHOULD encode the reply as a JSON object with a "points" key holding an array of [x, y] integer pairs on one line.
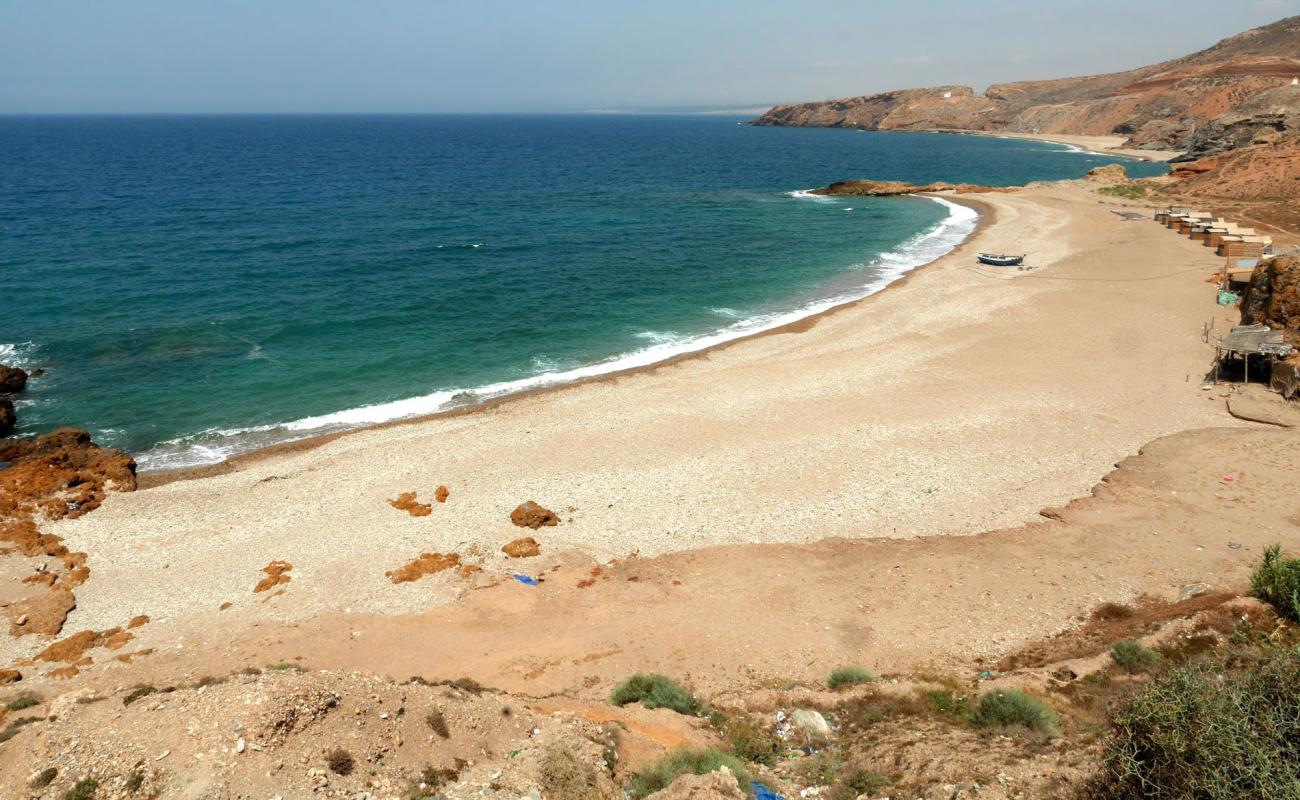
{"points": [[340, 761], [657, 691], [753, 741], [1010, 708], [849, 676], [1134, 657], [437, 723], [44, 778], [134, 781], [1276, 581], [23, 701], [564, 775], [83, 790], [864, 781], [658, 775], [137, 693]]}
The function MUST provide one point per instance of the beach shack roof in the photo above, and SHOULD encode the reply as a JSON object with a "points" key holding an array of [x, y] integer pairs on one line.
{"points": [[1255, 339]]}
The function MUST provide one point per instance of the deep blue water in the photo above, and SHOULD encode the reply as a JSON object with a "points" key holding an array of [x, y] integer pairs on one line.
{"points": [[198, 285]]}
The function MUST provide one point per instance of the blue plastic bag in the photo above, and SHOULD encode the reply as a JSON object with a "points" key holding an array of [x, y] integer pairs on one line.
{"points": [[525, 580], [761, 792]]}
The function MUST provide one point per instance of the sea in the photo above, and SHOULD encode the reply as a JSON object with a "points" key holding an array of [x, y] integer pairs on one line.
{"points": [[199, 286]]}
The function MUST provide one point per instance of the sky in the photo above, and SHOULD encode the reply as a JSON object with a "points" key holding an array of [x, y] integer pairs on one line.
{"points": [[292, 56]]}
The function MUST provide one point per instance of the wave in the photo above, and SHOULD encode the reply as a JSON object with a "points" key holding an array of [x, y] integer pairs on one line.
{"points": [[18, 354], [807, 194], [213, 446]]}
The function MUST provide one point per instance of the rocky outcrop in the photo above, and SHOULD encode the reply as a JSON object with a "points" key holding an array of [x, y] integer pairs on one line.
{"points": [[8, 417], [866, 188], [12, 379], [1106, 175], [1273, 297], [1158, 107], [1264, 119], [56, 476]]}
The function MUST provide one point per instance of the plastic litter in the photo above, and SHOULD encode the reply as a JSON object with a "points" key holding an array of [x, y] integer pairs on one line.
{"points": [[1228, 479], [761, 792], [525, 580]]}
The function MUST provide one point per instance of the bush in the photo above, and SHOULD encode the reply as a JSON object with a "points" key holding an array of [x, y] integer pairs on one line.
{"points": [[83, 790], [340, 761], [1276, 581], [754, 741], [1135, 657], [682, 762], [563, 775], [950, 704], [44, 778], [656, 691], [1007, 708], [23, 701], [864, 781], [1206, 732], [437, 723], [848, 676], [820, 769]]}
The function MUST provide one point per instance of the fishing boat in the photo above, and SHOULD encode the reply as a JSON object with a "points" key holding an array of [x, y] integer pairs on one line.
{"points": [[1001, 260]]}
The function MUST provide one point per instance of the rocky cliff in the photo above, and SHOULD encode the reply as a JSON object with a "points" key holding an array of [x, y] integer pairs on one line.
{"points": [[1160, 106]]}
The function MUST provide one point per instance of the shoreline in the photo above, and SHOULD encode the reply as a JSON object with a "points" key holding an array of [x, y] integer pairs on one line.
{"points": [[1101, 145], [148, 479], [966, 402]]}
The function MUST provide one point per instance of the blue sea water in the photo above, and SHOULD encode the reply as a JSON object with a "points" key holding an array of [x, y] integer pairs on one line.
{"points": [[200, 285]]}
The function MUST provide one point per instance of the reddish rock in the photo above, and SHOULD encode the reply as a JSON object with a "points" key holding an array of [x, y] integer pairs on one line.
{"points": [[531, 515], [526, 547], [441, 494], [406, 502], [72, 649], [8, 417], [1273, 297], [12, 379], [8, 676], [426, 564], [276, 575], [136, 622]]}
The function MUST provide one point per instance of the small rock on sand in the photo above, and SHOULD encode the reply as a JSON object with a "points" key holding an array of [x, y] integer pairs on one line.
{"points": [[531, 515], [526, 547]]}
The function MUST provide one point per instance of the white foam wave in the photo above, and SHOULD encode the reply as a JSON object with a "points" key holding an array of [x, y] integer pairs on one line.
{"points": [[807, 194], [723, 311], [216, 445], [18, 354]]}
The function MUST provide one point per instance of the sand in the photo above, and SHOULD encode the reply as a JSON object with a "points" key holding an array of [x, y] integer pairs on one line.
{"points": [[1112, 145], [965, 399]]}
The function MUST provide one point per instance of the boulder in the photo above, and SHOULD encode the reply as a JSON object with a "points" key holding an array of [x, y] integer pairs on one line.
{"points": [[1273, 297], [12, 379], [719, 785], [531, 515], [8, 419], [810, 721], [526, 547]]}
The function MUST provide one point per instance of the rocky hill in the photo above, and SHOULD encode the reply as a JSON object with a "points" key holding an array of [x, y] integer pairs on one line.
{"points": [[1158, 107]]}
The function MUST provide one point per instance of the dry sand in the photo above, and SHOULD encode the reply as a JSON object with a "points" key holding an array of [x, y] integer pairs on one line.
{"points": [[963, 400]]}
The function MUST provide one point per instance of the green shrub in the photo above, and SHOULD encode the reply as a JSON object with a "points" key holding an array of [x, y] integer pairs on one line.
{"points": [[820, 769], [657, 691], [1276, 581], [950, 704], [1135, 657], [1010, 707], [754, 741], [23, 701], [681, 762], [83, 790], [864, 781], [1203, 731], [849, 676]]}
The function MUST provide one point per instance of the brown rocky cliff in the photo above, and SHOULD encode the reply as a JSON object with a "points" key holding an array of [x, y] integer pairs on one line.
{"points": [[1273, 297], [1159, 106]]}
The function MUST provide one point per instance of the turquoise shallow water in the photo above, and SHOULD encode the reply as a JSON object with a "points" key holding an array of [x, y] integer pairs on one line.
{"points": [[196, 286]]}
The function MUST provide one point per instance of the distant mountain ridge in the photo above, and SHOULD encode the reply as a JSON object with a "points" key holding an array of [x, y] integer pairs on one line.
{"points": [[1157, 107]]}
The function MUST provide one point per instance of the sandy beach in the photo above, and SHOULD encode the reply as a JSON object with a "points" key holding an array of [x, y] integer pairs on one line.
{"points": [[964, 399], [1111, 145]]}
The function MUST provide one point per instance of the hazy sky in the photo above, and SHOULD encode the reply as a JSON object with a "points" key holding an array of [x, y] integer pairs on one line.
{"points": [[502, 55]]}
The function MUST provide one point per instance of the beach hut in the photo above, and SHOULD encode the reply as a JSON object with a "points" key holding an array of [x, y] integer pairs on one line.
{"points": [[1244, 341]]}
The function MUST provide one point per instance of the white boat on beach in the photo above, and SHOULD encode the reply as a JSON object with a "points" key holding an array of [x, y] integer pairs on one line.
{"points": [[1001, 259]]}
